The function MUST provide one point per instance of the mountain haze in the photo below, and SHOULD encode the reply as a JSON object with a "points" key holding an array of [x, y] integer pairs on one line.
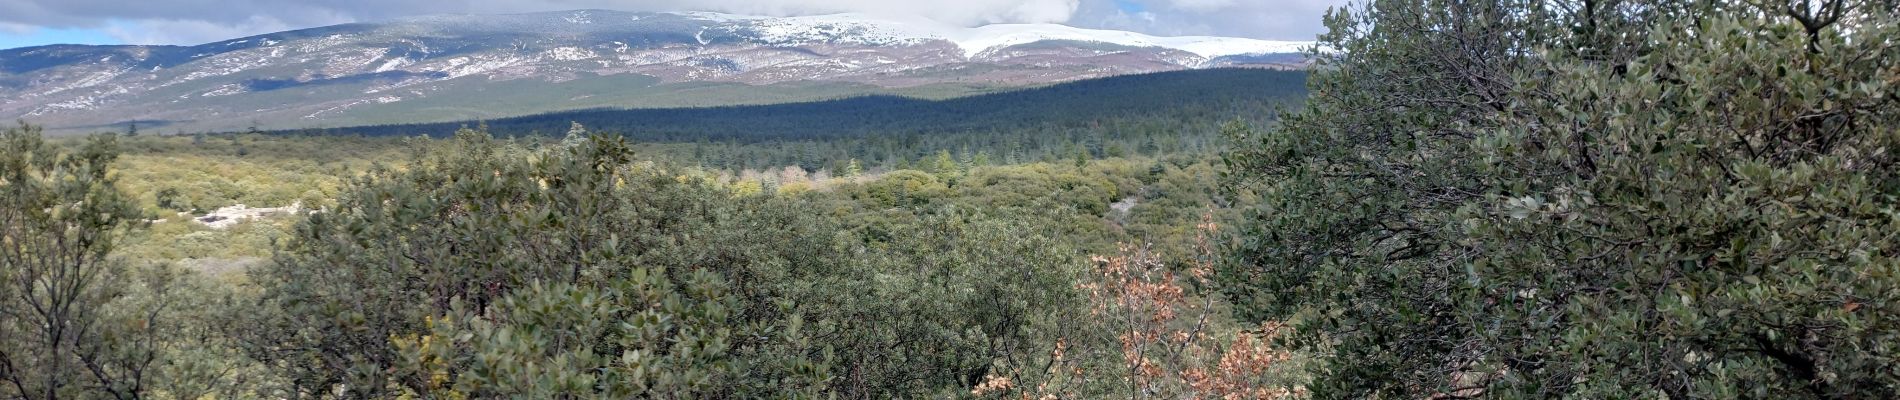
{"points": [[458, 67]]}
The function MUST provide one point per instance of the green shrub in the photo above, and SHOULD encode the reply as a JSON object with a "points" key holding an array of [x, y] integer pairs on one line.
{"points": [[1596, 200], [66, 327], [478, 221]]}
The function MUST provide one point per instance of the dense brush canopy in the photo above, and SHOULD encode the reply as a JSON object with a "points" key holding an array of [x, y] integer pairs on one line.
{"points": [[1593, 199]]}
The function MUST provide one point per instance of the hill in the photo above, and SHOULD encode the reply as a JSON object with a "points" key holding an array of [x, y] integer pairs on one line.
{"points": [[453, 67], [1217, 94]]}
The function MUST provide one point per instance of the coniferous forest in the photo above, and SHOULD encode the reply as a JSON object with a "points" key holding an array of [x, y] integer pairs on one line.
{"points": [[1456, 199]]}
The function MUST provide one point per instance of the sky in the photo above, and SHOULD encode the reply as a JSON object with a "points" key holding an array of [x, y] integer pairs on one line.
{"points": [[189, 22]]}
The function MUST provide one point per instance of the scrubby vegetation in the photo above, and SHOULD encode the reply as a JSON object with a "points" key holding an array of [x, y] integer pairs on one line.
{"points": [[441, 268], [1596, 199], [1495, 199]]}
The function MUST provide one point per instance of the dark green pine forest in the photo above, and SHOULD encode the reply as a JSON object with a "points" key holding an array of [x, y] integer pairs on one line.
{"points": [[1456, 199]]}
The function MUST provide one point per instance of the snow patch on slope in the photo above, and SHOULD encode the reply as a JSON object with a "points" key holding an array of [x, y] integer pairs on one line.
{"points": [[717, 17], [842, 29], [580, 17], [866, 29], [569, 54], [985, 38]]}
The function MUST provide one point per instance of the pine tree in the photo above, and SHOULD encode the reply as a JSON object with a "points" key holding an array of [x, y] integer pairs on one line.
{"points": [[944, 164], [576, 134]]}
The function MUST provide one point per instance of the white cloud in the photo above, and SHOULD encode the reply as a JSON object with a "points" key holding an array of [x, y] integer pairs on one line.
{"points": [[960, 12], [1044, 11], [1202, 5], [1265, 19], [178, 31], [16, 29]]}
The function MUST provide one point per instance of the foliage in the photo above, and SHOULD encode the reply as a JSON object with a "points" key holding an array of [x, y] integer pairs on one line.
{"points": [[642, 337], [480, 221], [769, 265], [1596, 199], [487, 268], [65, 330], [945, 304], [1146, 335], [1165, 342]]}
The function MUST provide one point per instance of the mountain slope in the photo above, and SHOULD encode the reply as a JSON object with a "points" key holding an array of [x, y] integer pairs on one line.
{"points": [[1212, 95], [444, 68]]}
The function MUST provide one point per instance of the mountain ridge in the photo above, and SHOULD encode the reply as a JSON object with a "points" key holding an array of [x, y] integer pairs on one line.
{"points": [[335, 75]]}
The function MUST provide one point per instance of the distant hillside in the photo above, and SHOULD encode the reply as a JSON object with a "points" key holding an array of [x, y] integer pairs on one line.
{"points": [[1214, 94], [450, 67]]}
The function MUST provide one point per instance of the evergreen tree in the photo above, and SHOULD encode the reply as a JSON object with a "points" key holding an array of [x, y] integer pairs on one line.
{"points": [[1522, 199], [576, 134], [943, 164]]}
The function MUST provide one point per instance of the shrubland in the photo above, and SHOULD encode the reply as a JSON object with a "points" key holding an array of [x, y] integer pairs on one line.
{"points": [[480, 267], [1496, 199], [1592, 199]]}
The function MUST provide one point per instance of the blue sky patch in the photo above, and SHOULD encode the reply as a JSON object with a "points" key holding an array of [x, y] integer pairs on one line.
{"points": [[1130, 6], [44, 36]]}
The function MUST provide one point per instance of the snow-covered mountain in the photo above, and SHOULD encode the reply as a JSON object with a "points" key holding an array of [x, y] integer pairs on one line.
{"points": [[483, 66], [978, 41]]}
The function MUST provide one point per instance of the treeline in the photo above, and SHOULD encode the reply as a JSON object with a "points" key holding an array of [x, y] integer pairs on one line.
{"points": [[176, 179], [1112, 138], [1151, 115], [1217, 94], [203, 172]]}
